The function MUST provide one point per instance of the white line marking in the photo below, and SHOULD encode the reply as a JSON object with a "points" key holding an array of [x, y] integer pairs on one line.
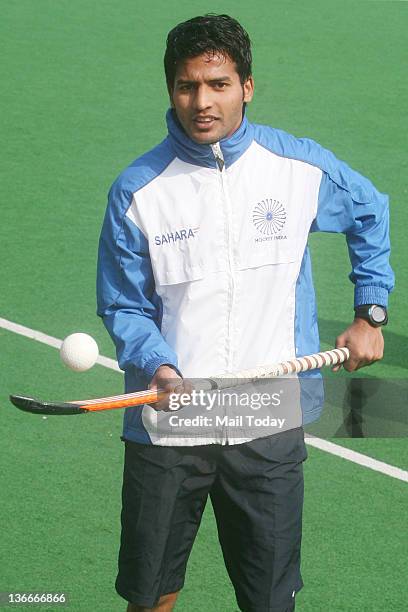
{"points": [[355, 457], [51, 341], [324, 445]]}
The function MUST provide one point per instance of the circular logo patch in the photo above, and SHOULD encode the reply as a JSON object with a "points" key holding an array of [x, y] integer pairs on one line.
{"points": [[269, 216]]}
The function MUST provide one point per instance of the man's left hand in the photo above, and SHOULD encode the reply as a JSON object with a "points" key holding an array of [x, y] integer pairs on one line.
{"points": [[365, 343]]}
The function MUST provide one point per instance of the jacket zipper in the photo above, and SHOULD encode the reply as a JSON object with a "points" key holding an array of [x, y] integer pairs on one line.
{"points": [[219, 158]]}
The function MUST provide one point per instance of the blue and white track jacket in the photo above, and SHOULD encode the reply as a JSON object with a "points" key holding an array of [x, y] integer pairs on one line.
{"points": [[205, 265]]}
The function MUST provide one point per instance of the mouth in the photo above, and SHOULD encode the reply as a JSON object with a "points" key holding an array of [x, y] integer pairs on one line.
{"points": [[204, 122]]}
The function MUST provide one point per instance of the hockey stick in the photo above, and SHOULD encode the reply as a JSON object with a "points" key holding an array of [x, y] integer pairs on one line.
{"points": [[302, 364]]}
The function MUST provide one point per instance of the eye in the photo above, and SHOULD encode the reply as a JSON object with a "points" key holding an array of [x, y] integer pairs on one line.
{"points": [[220, 85], [185, 87]]}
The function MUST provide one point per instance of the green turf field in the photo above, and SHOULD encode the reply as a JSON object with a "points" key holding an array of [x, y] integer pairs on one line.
{"points": [[83, 94]]}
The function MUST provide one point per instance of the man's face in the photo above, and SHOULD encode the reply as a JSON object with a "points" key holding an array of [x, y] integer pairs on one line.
{"points": [[208, 97]]}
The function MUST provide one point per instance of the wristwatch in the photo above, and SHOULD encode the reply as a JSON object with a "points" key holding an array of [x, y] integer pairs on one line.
{"points": [[374, 314]]}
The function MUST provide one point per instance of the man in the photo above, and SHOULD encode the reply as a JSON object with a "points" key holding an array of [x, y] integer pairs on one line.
{"points": [[204, 268]]}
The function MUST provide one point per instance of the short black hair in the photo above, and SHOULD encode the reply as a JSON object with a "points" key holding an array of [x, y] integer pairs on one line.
{"points": [[220, 34]]}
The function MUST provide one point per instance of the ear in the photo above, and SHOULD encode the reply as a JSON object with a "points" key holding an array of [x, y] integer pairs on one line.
{"points": [[248, 89], [170, 92]]}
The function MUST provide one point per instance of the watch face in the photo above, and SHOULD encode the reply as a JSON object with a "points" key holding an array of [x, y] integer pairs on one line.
{"points": [[378, 314]]}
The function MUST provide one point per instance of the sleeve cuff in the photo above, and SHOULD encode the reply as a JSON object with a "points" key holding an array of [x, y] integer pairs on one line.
{"points": [[153, 364], [370, 294]]}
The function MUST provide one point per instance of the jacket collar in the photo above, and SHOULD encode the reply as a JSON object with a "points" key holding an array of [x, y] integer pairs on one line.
{"points": [[202, 154]]}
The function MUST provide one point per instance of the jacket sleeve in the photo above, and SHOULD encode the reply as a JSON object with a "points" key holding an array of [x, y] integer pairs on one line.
{"points": [[127, 301], [350, 204]]}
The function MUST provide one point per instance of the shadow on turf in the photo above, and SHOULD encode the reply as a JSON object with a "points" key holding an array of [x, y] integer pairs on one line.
{"points": [[362, 405]]}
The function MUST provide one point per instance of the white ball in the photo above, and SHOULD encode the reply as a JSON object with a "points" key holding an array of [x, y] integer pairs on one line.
{"points": [[79, 352]]}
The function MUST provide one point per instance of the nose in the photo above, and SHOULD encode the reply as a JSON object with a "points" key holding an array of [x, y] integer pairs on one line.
{"points": [[202, 98]]}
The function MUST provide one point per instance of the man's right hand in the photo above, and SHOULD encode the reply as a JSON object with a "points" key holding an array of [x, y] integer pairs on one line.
{"points": [[168, 380]]}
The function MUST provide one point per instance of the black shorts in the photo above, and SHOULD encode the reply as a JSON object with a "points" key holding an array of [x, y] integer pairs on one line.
{"points": [[256, 490]]}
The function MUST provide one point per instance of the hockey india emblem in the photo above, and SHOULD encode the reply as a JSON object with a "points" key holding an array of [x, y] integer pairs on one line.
{"points": [[269, 216]]}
